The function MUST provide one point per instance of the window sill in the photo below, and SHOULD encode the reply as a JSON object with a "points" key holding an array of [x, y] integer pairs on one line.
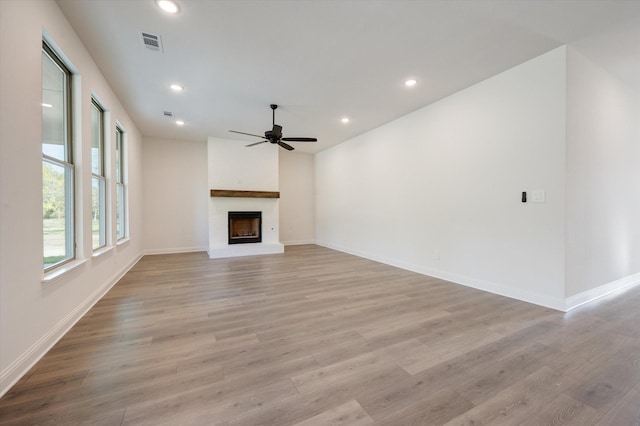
{"points": [[123, 240], [55, 275], [101, 251]]}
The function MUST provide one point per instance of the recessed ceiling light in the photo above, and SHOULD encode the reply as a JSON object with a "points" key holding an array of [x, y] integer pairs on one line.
{"points": [[47, 105], [345, 120], [168, 6], [411, 82], [180, 122], [176, 87]]}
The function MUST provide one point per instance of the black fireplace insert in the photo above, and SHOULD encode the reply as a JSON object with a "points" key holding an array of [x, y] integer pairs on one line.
{"points": [[245, 227]]}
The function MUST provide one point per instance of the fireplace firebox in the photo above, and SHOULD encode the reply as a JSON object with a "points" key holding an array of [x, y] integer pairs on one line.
{"points": [[245, 227]]}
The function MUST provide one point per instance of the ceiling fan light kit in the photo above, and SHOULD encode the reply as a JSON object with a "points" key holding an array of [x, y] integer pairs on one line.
{"points": [[274, 135]]}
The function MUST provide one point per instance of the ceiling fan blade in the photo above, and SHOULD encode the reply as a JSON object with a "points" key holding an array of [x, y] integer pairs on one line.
{"points": [[248, 134], [255, 143], [300, 139], [285, 146]]}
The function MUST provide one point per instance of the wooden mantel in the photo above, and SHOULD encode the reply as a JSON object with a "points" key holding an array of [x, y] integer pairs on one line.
{"points": [[244, 194]]}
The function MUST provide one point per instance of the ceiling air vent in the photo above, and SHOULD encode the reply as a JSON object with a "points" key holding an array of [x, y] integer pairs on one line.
{"points": [[168, 114], [151, 41]]}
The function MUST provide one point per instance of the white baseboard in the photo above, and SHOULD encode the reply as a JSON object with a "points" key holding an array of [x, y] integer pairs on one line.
{"points": [[580, 299], [18, 368], [502, 290], [175, 250]]}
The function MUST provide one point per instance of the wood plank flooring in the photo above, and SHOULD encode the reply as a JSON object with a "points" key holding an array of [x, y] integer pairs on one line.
{"points": [[319, 337]]}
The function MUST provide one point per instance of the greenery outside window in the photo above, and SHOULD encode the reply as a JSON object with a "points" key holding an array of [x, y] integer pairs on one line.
{"points": [[98, 179], [57, 162]]}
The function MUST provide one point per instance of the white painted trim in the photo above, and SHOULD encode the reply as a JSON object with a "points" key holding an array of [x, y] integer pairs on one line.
{"points": [[123, 241], [580, 299], [298, 242], [175, 250], [102, 250], [53, 276], [18, 368], [525, 296]]}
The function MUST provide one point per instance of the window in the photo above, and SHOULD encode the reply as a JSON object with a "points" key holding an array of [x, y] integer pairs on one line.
{"points": [[98, 180], [57, 162], [121, 189]]}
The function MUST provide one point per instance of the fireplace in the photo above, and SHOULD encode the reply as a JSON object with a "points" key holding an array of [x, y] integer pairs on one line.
{"points": [[245, 227]]}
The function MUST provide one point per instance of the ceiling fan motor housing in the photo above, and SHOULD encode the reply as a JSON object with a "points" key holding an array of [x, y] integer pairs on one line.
{"points": [[274, 134]]}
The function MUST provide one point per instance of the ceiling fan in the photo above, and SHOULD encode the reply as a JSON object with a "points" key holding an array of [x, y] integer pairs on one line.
{"points": [[275, 134]]}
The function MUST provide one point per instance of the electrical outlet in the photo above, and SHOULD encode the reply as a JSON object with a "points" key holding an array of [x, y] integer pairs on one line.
{"points": [[538, 196]]}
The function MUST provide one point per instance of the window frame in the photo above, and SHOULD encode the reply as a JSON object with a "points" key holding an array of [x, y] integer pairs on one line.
{"points": [[122, 223], [66, 163], [100, 177]]}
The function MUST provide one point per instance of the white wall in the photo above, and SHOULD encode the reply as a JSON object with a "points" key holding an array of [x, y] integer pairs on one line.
{"points": [[438, 191], [33, 316], [297, 200], [176, 196], [603, 163], [234, 166]]}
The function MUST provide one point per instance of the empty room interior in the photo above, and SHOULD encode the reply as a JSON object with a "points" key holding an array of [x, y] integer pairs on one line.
{"points": [[320, 212]]}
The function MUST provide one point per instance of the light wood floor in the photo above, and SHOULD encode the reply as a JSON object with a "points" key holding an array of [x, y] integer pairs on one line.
{"points": [[318, 337]]}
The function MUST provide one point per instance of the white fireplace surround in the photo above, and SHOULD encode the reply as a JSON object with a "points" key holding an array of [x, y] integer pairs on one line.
{"points": [[232, 166]]}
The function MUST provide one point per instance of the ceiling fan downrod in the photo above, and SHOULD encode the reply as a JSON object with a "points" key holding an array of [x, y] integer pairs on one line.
{"points": [[273, 112]]}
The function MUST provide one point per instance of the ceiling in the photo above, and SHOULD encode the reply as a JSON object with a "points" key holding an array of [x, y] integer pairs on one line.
{"points": [[319, 60]]}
